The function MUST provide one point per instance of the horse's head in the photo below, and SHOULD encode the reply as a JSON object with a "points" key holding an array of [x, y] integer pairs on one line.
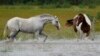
{"points": [[69, 22], [55, 22], [52, 19], [75, 21]]}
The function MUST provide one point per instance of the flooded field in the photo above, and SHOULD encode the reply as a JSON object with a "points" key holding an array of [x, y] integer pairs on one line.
{"points": [[61, 47]]}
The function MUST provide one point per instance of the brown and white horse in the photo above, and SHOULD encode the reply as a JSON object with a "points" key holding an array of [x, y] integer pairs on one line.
{"points": [[82, 24]]}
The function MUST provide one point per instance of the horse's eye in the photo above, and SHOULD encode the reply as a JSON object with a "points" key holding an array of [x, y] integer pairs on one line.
{"points": [[56, 21]]}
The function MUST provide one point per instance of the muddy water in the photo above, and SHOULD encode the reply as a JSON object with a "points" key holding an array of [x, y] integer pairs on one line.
{"points": [[60, 47]]}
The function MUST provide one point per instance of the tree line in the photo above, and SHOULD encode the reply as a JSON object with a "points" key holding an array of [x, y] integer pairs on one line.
{"points": [[56, 3]]}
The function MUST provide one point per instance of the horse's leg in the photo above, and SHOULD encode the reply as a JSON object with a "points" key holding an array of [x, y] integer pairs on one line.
{"points": [[81, 35], [76, 31], [92, 36], [37, 35], [87, 36], [77, 36], [44, 35], [12, 35]]}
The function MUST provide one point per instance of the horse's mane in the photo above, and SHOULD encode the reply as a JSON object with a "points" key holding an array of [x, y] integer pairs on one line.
{"points": [[42, 16], [81, 17], [45, 15]]}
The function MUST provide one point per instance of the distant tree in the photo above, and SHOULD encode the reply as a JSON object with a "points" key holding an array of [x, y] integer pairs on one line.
{"points": [[49, 2]]}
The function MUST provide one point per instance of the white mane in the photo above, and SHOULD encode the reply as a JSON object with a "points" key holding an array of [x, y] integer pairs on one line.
{"points": [[75, 16], [87, 19]]}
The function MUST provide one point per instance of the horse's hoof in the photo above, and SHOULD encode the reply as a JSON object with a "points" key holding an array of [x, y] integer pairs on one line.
{"points": [[78, 40], [9, 41], [92, 39], [44, 41]]}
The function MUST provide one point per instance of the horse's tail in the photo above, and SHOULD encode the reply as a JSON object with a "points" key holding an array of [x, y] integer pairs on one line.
{"points": [[5, 31]]}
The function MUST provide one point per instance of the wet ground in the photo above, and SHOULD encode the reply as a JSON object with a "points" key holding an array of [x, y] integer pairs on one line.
{"points": [[61, 47]]}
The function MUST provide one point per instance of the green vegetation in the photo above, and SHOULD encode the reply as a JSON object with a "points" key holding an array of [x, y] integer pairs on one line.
{"points": [[52, 3], [7, 12], [98, 16]]}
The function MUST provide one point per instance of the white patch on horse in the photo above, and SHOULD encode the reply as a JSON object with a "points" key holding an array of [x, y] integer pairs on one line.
{"points": [[79, 27], [75, 17], [87, 19]]}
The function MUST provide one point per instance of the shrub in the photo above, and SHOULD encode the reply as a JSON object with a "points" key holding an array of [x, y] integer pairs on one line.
{"points": [[90, 17], [98, 16], [81, 6], [48, 6], [92, 6], [66, 5]]}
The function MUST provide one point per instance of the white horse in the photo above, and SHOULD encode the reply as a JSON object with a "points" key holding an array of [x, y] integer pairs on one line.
{"points": [[31, 25]]}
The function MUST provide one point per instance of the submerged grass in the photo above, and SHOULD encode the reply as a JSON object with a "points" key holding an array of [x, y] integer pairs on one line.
{"points": [[63, 14]]}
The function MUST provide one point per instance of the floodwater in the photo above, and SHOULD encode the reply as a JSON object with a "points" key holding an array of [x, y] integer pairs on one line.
{"points": [[61, 47]]}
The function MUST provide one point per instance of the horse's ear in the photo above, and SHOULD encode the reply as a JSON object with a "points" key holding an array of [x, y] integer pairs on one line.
{"points": [[56, 17]]}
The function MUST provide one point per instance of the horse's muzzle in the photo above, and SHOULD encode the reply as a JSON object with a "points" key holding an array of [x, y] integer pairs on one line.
{"points": [[68, 24], [58, 28]]}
